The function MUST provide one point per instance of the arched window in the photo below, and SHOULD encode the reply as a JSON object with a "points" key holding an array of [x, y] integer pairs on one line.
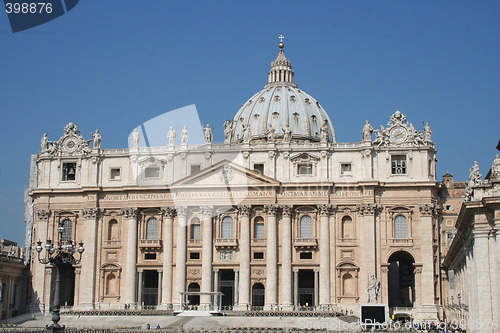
{"points": [[347, 227], [113, 230], [258, 228], [306, 227], [227, 227], [68, 230], [152, 228], [258, 294], [195, 228], [400, 231]]}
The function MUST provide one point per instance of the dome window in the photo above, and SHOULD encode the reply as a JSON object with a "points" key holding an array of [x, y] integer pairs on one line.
{"points": [[276, 115], [262, 99], [307, 101], [277, 98], [292, 98]]}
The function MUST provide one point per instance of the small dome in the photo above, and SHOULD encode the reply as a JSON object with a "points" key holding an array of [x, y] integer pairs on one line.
{"points": [[280, 107]]}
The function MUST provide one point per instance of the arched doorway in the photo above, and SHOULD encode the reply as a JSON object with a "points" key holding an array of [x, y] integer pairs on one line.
{"points": [[401, 280], [258, 294], [193, 300]]}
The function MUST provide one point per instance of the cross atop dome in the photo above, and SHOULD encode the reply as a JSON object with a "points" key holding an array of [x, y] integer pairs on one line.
{"points": [[281, 45]]}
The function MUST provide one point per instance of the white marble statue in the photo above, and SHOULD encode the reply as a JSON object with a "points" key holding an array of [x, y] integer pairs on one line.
{"points": [[171, 135], [323, 132], [373, 289], [228, 125], [184, 136], [287, 134], [270, 133], [44, 143], [495, 168], [97, 139], [209, 134], [367, 132], [427, 133], [135, 137]]}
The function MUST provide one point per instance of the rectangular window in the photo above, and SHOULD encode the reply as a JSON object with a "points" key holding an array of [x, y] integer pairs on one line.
{"points": [[258, 255], [449, 238], [69, 171], [451, 279], [306, 255], [194, 255], [115, 174], [345, 169], [304, 169], [152, 172], [259, 167], [150, 256], [449, 223], [195, 231], [398, 163], [195, 168]]}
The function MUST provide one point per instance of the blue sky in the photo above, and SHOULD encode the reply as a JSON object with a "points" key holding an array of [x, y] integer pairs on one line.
{"points": [[114, 64]]}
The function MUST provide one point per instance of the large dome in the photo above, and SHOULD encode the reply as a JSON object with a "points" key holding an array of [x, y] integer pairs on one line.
{"points": [[279, 108]]}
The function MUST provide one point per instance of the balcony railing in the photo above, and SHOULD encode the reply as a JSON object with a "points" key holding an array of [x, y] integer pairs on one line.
{"points": [[112, 244], [305, 242], [149, 243], [226, 242], [401, 241]]}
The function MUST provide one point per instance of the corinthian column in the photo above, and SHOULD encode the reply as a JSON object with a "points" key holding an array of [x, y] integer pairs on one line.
{"points": [[244, 275], [206, 254], [166, 294], [129, 294], [38, 270], [272, 258], [180, 253], [286, 258], [324, 254], [88, 274]]}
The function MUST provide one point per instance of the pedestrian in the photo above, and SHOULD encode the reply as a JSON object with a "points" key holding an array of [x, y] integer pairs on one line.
{"points": [[148, 326]]}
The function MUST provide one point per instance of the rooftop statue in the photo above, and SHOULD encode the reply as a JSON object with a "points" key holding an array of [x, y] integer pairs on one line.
{"points": [[171, 135], [209, 134], [367, 132], [97, 139], [184, 137], [135, 137]]}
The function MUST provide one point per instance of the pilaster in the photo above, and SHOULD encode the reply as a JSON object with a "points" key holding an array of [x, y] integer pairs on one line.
{"points": [[168, 220], [244, 273], [88, 272], [206, 268], [180, 253], [286, 258], [130, 286], [272, 258]]}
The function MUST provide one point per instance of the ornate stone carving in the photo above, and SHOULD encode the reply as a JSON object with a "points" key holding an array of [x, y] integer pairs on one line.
{"points": [[244, 210], [135, 137], [399, 133], [72, 142], [373, 289], [130, 212], [226, 255], [257, 272], [168, 212], [90, 213], [271, 209], [171, 135], [426, 209], [226, 174], [181, 211], [323, 132], [286, 210], [43, 214], [495, 169], [207, 211], [184, 136], [97, 138], [325, 210], [369, 209]]}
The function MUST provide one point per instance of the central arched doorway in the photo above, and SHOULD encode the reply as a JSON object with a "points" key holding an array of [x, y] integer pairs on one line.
{"points": [[67, 285], [401, 279], [193, 300]]}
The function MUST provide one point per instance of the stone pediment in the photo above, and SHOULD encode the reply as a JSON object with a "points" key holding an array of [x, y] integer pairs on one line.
{"points": [[223, 174]]}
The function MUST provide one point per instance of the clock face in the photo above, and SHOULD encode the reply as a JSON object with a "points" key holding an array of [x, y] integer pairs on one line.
{"points": [[398, 135], [70, 144]]}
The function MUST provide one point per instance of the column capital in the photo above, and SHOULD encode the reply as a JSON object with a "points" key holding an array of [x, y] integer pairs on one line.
{"points": [[207, 210], [427, 209], [168, 212], [295, 270], [90, 213], [181, 211], [271, 209], [327, 209], [43, 214], [130, 212], [286, 210], [244, 210], [369, 209]]}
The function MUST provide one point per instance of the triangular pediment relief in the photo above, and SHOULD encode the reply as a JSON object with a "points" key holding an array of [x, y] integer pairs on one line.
{"points": [[223, 174]]}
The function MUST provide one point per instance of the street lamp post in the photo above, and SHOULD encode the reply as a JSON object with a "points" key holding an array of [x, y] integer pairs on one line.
{"points": [[59, 257]]}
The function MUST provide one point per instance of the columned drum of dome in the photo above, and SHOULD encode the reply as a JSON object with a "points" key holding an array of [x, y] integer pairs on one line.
{"points": [[279, 110]]}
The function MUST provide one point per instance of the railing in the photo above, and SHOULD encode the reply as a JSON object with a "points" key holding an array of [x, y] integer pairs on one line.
{"points": [[112, 244], [258, 240], [346, 240], [401, 241], [226, 242], [305, 242], [149, 243]]}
